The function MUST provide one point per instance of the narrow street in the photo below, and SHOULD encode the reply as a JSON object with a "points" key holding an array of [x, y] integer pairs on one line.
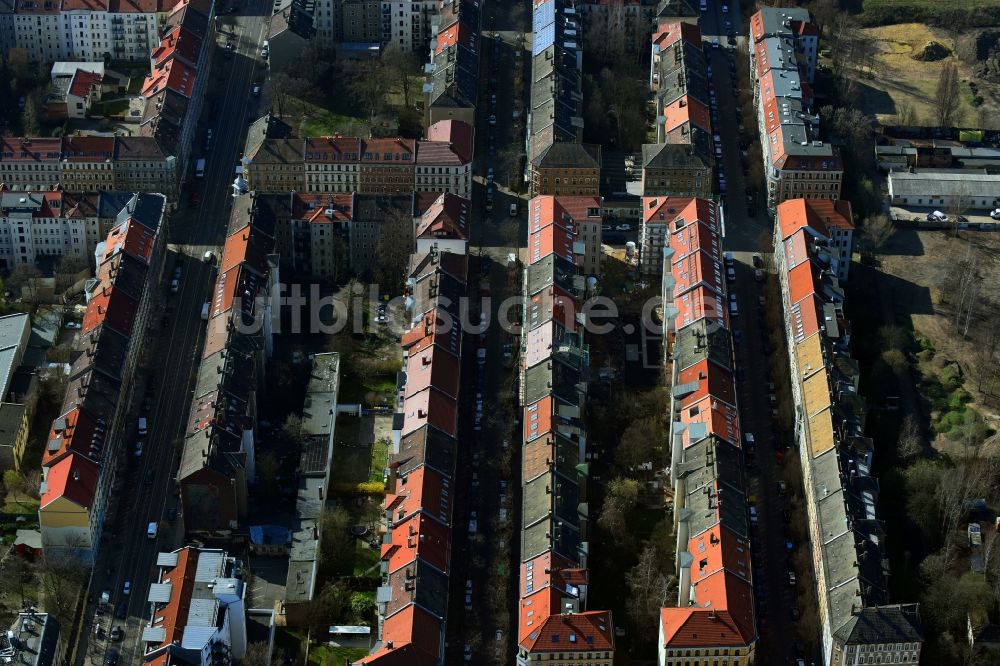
{"points": [[146, 486]]}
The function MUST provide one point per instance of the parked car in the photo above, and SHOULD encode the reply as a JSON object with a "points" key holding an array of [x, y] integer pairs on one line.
{"points": [[623, 227], [117, 634], [127, 588], [138, 449], [791, 578], [473, 522]]}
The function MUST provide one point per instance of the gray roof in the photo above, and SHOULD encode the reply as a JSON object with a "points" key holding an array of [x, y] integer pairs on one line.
{"points": [[896, 623], [425, 446], [775, 19], [713, 465], [702, 340], [37, 637], [560, 378], [674, 156], [319, 413], [570, 155], [951, 182], [556, 270]]}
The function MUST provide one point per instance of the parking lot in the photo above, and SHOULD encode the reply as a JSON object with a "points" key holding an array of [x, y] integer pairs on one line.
{"points": [[926, 217]]}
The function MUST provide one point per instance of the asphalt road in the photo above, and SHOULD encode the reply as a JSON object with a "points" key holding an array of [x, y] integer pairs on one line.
{"points": [[147, 484], [746, 236]]}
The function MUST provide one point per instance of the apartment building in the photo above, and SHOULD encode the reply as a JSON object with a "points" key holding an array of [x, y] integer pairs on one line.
{"points": [[39, 224], [579, 222], [825, 222], [416, 552], [174, 91], [558, 163], [714, 620], [33, 640], [618, 26], [291, 28], [87, 163], [682, 160], [846, 539], [409, 25], [554, 624], [51, 30], [451, 86], [673, 11], [661, 217], [217, 460], [360, 22], [782, 61], [79, 461], [444, 225], [341, 165], [30, 164], [197, 609]]}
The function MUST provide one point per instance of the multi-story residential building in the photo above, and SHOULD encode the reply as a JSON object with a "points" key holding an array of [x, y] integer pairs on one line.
{"points": [[826, 222], [50, 30], [554, 624], [360, 22], [661, 216], [142, 164], [409, 24], [674, 11], [342, 165], [675, 169], [579, 222], [444, 225], [618, 26], [79, 461], [30, 164], [714, 617], [416, 553], [197, 609], [37, 224], [681, 163], [369, 214], [557, 162], [444, 159], [175, 89], [452, 75], [312, 232], [87, 163], [846, 538], [217, 461], [291, 28], [782, 52]]}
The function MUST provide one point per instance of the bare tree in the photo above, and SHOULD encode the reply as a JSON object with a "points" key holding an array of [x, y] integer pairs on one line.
{"points": [[401, 65], [370, 85], [621, 498], [23, 281], [30, 118], [877, 231], [257, 654], [649, 591], [394, 246], [910, 443], [947, 96], [906, 116]]}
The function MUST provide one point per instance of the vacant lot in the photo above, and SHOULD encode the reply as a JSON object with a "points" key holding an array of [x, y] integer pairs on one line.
{"points": [[898, 80], [957, 14]]}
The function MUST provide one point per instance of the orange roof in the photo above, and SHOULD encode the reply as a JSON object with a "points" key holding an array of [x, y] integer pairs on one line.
{"points": [[701, 303], [74, 478], [433, 407], [417, 537], [411, 637], [234, 252], [333, 149], [388, 151], [30, 150], [110, 306], [670, 33], [572, 632], [432, 330], [181, 578], [801, 282], [576, 209], [171, 75], [535, 608], [548, 232], [423, 489], [447, 217], [686, 109], [716, 549], [713, 381], [796, 249], [458, 133], [697, 269], [177, 42], [820, 215], [538, 417], [322, 208], [432, 367], [132, 238], [73, 431], [721, 420], [805, 318]]}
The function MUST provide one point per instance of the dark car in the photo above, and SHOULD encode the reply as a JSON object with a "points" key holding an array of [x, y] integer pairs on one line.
{"points": [[121, 610], [149, 478], [112, 658], [171, 514], [117, 634]]}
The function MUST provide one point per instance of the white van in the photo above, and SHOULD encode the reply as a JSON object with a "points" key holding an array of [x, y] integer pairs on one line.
{"points": [[199, 168], [204, 311], [151, 530], [143, 426]]}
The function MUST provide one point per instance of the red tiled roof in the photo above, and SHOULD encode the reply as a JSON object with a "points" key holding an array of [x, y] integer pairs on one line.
{"points": [[388, 151], [82, 83], [459, 134], [801, 282], [721, 420], [577, 208], [423, 489], [181, 578], [111, 307], [432, 367], [76, 435], [174, 75], [432, 407], [447, 217], [820, 215], [88, 148], [132, 238], [234, 252], [332, 149], [697, 269], [713, 381], [432, 330], [686, 109], [538, 417], [796, 249], [72, 477], [417, 537], [92, 5], [322, 208], [177, 42], [548, 232], [30, 150], [411, 637], [671, 33], [701, 303], [572, 632]]}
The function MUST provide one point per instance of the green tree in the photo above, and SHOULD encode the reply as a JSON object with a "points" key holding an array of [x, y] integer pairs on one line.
{"points": [[336, 541], [363, 607], [622, 496], [267, 472], [30, 118]]}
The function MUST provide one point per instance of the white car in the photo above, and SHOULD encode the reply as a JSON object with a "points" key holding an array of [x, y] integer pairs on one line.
{"points": [[725, 9], [467, 653], [127, 588], [791, 578], [493, 119], [73, 325], [937, 216], [513, 210], [730, 274], [623, 227], [138, 449], [473, 523], [995, 213], [753, 515]]}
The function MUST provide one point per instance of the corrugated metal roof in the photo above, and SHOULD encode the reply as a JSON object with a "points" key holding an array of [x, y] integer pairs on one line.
{"points": [[201, 613], [166, 560], [154, 634], [159, 593], [209, 566]]}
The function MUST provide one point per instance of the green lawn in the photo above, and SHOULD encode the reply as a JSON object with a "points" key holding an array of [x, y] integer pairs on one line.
{"points": [[115, 107], [323, 122], [335, 656], [364, 558]]}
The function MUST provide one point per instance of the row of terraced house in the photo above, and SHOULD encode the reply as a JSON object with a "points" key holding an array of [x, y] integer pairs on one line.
{"points": [[555, 625], [86, 439], [714, 619], [846, 538]]}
